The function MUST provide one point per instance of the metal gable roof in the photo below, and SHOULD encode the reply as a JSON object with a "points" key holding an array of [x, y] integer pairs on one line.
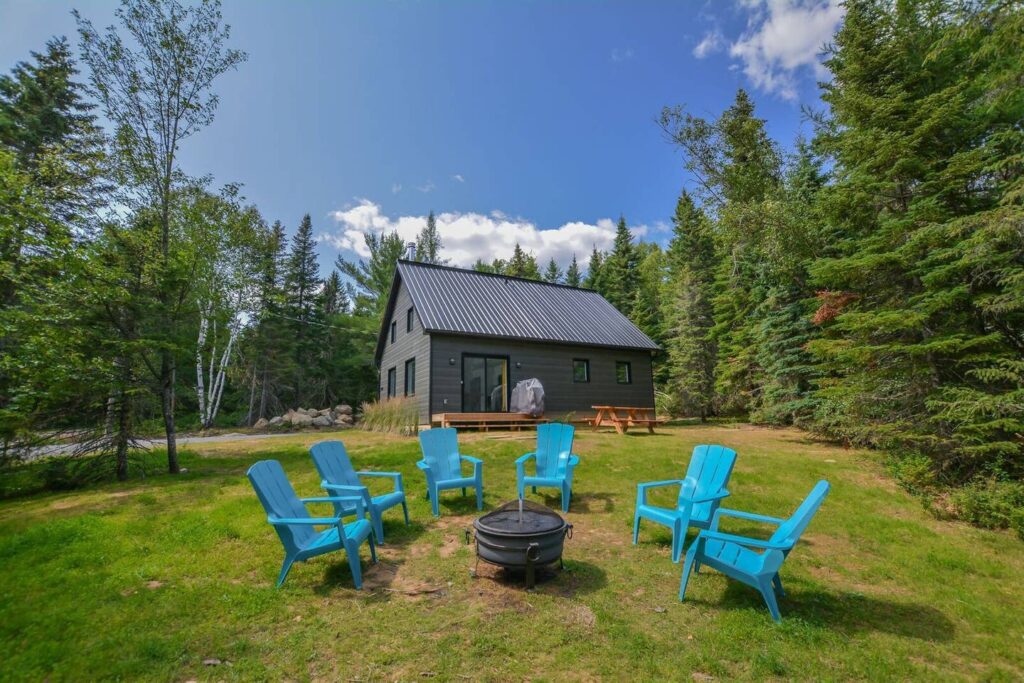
{"points": [[457, 301]]}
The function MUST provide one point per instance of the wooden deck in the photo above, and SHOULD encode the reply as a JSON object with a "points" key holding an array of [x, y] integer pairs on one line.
{"points": [[488, 421]]}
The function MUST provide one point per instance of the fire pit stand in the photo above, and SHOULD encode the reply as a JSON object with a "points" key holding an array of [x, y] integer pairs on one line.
{"points": [[520, 535]]}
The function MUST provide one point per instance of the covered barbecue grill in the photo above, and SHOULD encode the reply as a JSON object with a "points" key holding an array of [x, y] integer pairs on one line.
{"points": [[521, 535]]}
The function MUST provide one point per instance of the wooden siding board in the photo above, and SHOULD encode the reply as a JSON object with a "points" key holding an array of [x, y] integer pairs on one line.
{"points": [[414, 344], [551, 364]]}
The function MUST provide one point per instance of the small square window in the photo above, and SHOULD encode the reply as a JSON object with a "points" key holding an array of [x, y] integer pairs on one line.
{"points": [[408, 320], [394, 331], [410, 377], [580, 370], [623, 372], [391, 382]]}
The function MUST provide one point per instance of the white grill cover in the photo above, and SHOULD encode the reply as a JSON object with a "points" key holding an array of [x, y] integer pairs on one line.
{"points": [[528, 397]]}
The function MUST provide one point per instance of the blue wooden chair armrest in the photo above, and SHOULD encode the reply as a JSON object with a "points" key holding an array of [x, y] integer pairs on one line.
{"points": [[393, 475], [284, 521], [573, 460], [742, 540], [342, 487], [655, 484], [726, 512], [422, 464], [522, 459], [470, 458]]}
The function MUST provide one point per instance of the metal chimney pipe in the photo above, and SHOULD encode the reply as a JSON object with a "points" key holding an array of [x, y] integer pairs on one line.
{"points": [[410, 251]]}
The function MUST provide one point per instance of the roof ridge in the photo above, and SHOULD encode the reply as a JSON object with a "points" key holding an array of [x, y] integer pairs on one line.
{"points": [[439, 266]]}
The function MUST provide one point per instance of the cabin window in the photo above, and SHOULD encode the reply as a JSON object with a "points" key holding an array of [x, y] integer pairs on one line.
{"points": [[391, 383], [623, 372], [408, 320], [394, 331], [580, 370], [410, 377]]}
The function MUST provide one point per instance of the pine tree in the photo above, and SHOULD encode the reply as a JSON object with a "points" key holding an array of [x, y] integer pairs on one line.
{"points": [[689, 312], [373, 277], [522, 264], [923, 307], [552, 273], [303, 307], [428, 243], [572, 273], [595, 272], [619, 270], [645, 311], [335, 297]]}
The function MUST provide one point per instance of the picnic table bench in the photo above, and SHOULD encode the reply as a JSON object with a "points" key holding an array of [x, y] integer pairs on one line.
{"points": [[486, 421], [624, 417]]}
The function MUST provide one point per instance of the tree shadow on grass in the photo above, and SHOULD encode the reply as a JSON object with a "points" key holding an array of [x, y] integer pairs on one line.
{"points": [[845, 612], [582, 502]]}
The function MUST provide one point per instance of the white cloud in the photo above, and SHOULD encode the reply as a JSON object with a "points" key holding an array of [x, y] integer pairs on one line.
{"points": [[396, 188], [713, 41], [458, 176], [783, 38], [622, 54], [469, 236], [427, 187]]}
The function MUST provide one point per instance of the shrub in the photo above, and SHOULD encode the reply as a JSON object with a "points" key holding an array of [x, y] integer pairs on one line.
{"points": [[991, 504], [399, 415]]}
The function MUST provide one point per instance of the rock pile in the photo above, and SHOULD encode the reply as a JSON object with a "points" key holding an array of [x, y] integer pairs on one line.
{"points": [[338, 416]]}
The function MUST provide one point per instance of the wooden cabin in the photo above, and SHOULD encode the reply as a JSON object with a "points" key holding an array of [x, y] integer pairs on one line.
{"points": [[457, 341]]}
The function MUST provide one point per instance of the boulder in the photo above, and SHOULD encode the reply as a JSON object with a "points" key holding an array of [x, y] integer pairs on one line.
{"points": [[275, 421], [343, 409], [322, 421], [261, 423], [345, 419], [301, 420]]}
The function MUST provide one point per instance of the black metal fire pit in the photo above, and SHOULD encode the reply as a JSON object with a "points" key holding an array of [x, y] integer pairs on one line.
{"points": [[521, 535]]}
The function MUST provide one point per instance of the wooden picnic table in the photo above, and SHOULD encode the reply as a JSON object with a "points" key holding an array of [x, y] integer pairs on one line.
{"points": [[624, 417]]}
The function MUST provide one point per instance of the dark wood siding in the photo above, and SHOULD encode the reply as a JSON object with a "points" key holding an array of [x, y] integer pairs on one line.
{"points": [[414, 344], [552, 365]]}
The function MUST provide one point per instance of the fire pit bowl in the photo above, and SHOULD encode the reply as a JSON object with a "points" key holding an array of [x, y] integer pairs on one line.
{"points": [[520, 535]]}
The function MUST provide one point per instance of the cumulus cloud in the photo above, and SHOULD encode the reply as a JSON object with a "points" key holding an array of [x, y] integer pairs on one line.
{"points": [[458, 177], [469, 236], [713, 41], [783, 38]]}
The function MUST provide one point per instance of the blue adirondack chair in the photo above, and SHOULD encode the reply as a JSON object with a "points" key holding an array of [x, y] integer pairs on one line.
{"points": [[340, 478], [442, 464], [699, 495], [555, 462], [737, 556], [293, 524]]}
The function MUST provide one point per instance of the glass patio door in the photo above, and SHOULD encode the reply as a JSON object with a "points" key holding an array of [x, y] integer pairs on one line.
{"points": [[484, 384]]}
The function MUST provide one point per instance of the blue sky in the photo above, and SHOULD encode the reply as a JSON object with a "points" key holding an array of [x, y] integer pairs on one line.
{"points": [[528, 121]]}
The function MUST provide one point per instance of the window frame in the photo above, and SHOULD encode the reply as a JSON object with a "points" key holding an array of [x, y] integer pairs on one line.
{"points": [[410, 376], [392, 384], [629, 371], [586, 369], [408, 320], [394, 331]]}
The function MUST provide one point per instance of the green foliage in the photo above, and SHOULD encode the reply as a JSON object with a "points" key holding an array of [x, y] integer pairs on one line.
{"points": [[522, 264], [552, 273], [573, 278], [619, 269], [991, 504], [373, 277], [429, 244]]}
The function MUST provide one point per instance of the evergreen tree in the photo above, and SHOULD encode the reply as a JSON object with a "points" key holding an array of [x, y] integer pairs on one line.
{"points": [[335, 297], [645, 311], [688, 311], [373, 277], [303, 308], [620, 269], [924, 306], [572, 273], [552, 273], [522, 264], [428, 243], [595, 272]]}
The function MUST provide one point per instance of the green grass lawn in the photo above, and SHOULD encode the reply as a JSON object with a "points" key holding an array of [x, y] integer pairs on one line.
{"points": [[149, 579]]}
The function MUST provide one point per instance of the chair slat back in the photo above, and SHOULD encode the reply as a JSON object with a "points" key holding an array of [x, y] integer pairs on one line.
{"points": [[332, 462], [278, 498], [440, 448], [710, 466], [554, 444], [789, 532]]}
